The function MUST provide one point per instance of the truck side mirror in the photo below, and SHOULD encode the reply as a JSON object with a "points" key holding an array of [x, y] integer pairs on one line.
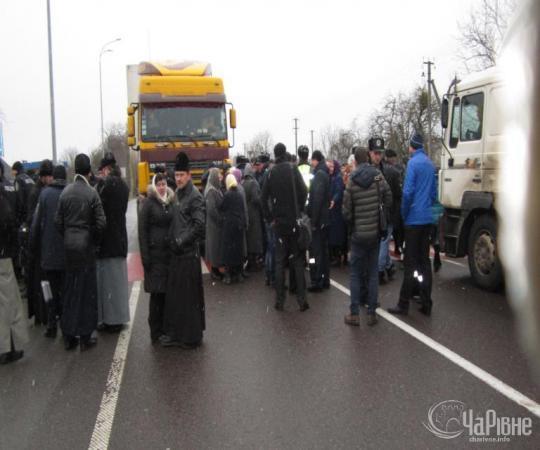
{"points": [[131, 127], [444, 113], [232, 118]]}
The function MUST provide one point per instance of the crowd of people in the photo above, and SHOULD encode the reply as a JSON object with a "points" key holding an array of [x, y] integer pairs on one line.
{"points": [[282, 215]]}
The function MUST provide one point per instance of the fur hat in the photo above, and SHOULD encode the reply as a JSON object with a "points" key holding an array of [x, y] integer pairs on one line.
{"points": [[108, 160], [280, 150], [46, 168], [59, 172], [182, 163]]}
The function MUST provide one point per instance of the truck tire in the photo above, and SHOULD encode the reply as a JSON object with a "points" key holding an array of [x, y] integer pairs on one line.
{"points": [[484, 262]]}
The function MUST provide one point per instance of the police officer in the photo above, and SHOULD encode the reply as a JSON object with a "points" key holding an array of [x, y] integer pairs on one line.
{"points": [[23, 184], [303, 165]]}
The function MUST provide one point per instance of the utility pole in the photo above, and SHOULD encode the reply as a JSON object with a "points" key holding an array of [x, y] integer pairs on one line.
{"points": [[295, 136], [312, 141], [429, 63], [51, 82]]}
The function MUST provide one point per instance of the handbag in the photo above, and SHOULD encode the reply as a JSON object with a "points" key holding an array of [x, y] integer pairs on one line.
{"points": [[383, 220], [303, 222]]}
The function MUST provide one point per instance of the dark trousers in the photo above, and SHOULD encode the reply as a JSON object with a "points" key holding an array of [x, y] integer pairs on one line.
{"points": [[287, 250], [364, 277], [55, 305], [417, 265], [319, 256], [155, 314]]}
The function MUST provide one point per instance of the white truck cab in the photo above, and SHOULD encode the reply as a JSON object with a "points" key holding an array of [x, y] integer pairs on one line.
{"points": [[468, 178]]}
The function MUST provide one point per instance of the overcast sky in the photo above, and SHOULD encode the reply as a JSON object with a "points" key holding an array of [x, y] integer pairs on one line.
{"points": [[325, 62]]}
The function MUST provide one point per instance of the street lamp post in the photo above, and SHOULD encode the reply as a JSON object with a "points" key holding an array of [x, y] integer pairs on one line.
{"points": [[51, 82], [104, 49]]}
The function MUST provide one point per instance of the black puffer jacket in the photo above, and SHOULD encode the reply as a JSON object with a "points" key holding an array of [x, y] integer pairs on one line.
{"points": [[361, 204], [44, 235], [114, 195], [278, 199], [81, 220], [188, 222], [319, 196], [154, 223]]}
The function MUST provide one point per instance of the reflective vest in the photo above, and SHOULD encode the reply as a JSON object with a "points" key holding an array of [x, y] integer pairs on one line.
{"points": [[305, 171]]}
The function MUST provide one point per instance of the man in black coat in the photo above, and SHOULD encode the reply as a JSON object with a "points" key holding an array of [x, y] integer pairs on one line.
{"points": [[318, 212], [46, 240], [279, 208], [393, 179], [184, 312], [36, 303], [81, 220]]}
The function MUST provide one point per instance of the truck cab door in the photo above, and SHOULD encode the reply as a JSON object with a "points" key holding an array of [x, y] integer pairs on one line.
{"points": [[466, 144]]}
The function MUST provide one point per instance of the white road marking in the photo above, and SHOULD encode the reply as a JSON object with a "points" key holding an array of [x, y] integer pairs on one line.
{"points": [[501, 387], [455, 263], [104, 422]]}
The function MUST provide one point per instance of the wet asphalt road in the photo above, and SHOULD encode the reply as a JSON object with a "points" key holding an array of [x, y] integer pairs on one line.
{"points": [[264, 379]]}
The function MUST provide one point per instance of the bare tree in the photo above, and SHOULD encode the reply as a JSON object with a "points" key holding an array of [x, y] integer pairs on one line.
{"points": [[482, 34], [402, 114], [262, 142]]}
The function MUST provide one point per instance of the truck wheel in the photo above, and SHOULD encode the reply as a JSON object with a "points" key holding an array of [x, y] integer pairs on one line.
{"points": [[484, 262]]}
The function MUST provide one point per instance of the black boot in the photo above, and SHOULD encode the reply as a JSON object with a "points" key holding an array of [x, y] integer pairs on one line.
{"points": [[87, 342]]}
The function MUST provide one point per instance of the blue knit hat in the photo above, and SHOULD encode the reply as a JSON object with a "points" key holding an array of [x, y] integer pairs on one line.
{"points": [[417, 140]]}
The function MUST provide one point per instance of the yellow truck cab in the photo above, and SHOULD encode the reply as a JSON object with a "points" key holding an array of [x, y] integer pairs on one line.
{"points": [[177, 106]]}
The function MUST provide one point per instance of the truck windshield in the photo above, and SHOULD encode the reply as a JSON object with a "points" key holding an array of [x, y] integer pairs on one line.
{"points": [[183, 122]]}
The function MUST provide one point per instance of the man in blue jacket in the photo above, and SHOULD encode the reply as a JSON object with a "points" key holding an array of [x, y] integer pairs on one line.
{"points": [[419, 196]]}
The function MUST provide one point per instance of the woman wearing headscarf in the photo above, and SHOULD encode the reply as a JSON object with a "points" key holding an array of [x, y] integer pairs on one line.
{"points": [[234, 225], [254, 234], [154, 222], [213, 197], [337, 228]]}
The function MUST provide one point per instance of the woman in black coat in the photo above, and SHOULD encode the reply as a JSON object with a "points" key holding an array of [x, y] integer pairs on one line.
{"points": [[234, 225], [154, 222]]}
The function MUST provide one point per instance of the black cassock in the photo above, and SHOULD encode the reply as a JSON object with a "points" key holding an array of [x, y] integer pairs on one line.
{"points": [[184, 312]]}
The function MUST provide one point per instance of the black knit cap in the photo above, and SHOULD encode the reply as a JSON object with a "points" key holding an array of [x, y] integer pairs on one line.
{"points": [[182, 163], [317, 156], [389, 153], [280, 150], [46, 168], [59, 172], [82, 164]]}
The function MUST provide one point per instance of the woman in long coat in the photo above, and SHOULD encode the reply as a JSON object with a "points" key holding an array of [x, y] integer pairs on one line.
{"points": [[234, 225], [154, 222], [113, 295], [337, 228], [254, 210], [213, 197]]}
